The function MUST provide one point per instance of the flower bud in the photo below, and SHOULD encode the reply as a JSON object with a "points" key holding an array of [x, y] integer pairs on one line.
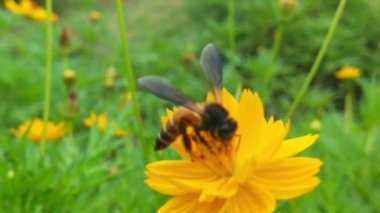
{"points": [[109, 80], [288, 6], [65, 38], [69, 77], [11, 174], [316, 125], [94, 16], [72, 103], [188, 57]]}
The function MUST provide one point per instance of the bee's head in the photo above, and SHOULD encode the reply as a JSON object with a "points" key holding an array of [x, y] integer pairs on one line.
{"points": [[226, 130], [216, 121]]}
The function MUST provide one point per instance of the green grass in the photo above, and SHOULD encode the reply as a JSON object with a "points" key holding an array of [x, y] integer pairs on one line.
{"points": [[76, 174]]}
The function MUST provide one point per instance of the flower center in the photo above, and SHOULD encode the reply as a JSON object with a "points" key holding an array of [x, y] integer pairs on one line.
{"points": [[216, 155]]}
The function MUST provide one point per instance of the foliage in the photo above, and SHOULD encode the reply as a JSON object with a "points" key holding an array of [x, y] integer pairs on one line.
{"points": [[92, 171]]}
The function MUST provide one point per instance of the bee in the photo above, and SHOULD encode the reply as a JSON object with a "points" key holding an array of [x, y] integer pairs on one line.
{"points": [[210, 117]]}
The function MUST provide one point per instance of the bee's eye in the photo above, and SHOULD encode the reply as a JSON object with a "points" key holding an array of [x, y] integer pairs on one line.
{"points": [[227, 129]]}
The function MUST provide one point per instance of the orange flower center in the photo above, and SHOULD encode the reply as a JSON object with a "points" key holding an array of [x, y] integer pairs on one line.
{"points": [[213, 154]]}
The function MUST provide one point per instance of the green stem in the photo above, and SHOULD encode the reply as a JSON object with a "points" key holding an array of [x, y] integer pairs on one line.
{"points": [[48, 70], [131, 79], [274, 52], [348, 107], [370, 139], [318, 59]]}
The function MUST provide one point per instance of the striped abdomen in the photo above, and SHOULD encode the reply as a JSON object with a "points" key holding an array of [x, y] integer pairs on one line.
{"points": [[176, 126]]}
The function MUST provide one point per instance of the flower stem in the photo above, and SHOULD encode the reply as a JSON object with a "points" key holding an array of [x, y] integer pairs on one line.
{"points": [[48, 70], [276, 48], [130, 77], [370, 139], [318, 59], [348, 101]]}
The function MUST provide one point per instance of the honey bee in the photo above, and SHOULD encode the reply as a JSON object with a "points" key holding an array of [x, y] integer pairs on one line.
{"points": [[210, 117]]}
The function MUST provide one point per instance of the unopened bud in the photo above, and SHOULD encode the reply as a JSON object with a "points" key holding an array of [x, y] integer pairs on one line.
{"points": [[113, 171], [69, 77], [94, 16], [72, 103], [109, 80], [11, 174], [65, 38], [188, 57], [125, 98], [316, 125], [288, 6]]}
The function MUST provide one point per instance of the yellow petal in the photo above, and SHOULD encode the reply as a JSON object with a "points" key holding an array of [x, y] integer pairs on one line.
{"points": [[289, 177], [221, 188], [294, 146], [181, 176], [230, 103], [90, 120], [168, 186], [190, 203], [120, 133], [180, 204], [102, 121], [265, 143], [179, 169], [11, 5], [270, 140], [251, 198], [250, 118], [217, 205]]}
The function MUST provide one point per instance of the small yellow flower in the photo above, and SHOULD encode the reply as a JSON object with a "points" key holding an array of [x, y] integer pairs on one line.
{"points": [[288, 6], [101, 119], [248, 174], [11, 174], [28, 8], [316, 125], [94, 15], [34, 130], [348, 72]]}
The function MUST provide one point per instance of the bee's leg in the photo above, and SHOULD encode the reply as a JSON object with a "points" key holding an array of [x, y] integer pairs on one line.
{"points": [[238, 145], [185, 137], [202, 140]]}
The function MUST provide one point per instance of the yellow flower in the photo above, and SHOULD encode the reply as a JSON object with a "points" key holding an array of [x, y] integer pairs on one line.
{"points": [[316, 125], [101, 119], [249, 174], [34, 129], [28, 8], [94, 15], [348, 72]]}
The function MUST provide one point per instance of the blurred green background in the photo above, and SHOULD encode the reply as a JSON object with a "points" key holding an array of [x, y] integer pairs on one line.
{"points": [[92, 171]]}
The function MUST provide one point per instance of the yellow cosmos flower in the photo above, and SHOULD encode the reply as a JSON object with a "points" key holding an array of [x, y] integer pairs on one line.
{"points": [[28, 8], [34, 130], [101, 119], [249, 174], [94, 15], [348, 72]]}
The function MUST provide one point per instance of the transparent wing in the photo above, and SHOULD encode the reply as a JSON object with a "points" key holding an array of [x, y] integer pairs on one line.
{"points": [[164, 89], [212, 67]]}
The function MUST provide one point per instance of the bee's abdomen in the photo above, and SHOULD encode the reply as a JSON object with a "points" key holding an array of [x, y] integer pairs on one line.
{"points": [[167, 135]]}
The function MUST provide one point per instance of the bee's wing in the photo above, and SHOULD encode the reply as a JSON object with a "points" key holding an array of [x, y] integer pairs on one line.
{"points": [[212, 67], [164, 89]]}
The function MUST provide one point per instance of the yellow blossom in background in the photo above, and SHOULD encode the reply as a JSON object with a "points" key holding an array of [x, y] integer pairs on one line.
{"points": [[28, 8], [34, 130], [249, 174], [94, 15], [101, 120], [316, 125], [348, 72]]}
